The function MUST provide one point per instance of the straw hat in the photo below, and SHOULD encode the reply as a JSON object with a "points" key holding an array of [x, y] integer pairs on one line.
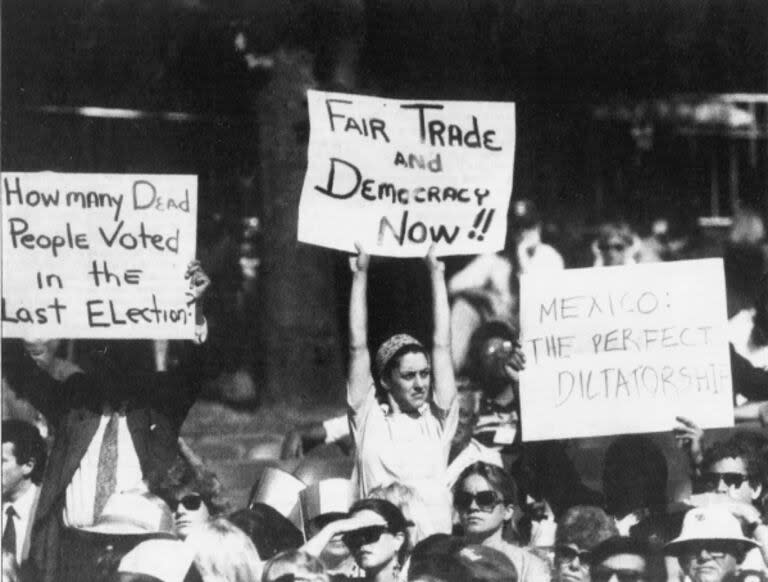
{"points": [[708, 524], [134, 513]]}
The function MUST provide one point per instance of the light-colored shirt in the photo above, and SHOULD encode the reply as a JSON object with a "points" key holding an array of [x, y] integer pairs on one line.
{"points": [[23, 508], [336, 428], [411, 449], [81, 491]]}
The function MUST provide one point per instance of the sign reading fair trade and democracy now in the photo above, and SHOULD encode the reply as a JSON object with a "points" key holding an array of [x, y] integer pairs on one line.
{"points": [[616, 350], [399, 176], [97, 255]]}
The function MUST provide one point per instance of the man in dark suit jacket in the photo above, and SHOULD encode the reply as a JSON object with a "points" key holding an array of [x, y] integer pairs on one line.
{"points": [[84, 409]]}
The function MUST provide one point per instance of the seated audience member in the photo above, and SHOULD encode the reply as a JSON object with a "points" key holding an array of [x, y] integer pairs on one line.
{"points": [[269, 530], [711, 545], [376, 532], [452, 559], [579, 531], [485, 498], [322, 503], [615, 245], [23, 464], [115, 430], [735, 472], [420, 411], [294, 566], [223, 553], [748, 336], [413, 508], [623, 559], [543, 470], [157, 561], [194, 495]]}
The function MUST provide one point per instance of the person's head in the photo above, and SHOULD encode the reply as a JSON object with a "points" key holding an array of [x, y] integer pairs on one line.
{"points": [[634, 475], [579, 531], [735, 468], [614, 243], [485, 497], [23, 458], [711, 544], [412, 506], [403, 371], [624, 559], [269, 530], [193, 494], [490, 348], [223, 552], [452, 559], [524, 223], [163, 560], [42, 351], [294, 566], [378, 547]]}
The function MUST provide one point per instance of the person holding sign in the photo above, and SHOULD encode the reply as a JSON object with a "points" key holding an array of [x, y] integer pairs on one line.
{"points": [[115, 430], [407, 435]]}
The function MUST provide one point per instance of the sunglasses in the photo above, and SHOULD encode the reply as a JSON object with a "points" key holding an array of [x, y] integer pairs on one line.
{"points": [[611, 247], [712, 480], [486, 500], [569, 554], [600, 574], [190, 503], [363, 537]]}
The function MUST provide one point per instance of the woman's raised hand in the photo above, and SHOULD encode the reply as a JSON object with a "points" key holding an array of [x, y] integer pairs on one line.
{"points": [[359, 263], [433, 262]]}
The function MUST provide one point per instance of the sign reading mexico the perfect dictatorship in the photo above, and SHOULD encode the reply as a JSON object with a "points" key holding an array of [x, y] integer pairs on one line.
{"points": [[97, 255], [617, 350], [399, 176]]}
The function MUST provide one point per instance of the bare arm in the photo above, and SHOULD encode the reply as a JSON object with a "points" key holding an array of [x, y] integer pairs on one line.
{"points": [[442, 363], [359, 379]]}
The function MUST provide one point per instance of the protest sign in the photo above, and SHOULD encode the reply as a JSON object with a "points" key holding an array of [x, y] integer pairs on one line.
{"points": [[398, 176], [97, 255], [616, 350]]}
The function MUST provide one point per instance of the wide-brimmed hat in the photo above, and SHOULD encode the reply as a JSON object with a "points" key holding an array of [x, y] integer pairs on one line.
{"points": [[166, 560], [703, 524], [134, 513]]}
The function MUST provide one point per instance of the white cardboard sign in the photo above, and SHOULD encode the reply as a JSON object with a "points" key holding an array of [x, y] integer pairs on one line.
{"points": [[398, 176], [97, 255], [614, 350]]}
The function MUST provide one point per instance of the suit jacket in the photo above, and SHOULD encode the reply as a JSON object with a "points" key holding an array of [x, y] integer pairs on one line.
{"points": [[156, 409]]}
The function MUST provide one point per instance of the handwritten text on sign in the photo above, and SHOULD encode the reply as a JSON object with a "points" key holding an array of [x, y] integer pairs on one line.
{"points": [[399, 176], [97, 255], [624, 350]]}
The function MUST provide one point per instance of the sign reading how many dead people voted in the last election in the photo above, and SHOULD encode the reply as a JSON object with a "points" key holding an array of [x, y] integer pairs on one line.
{"points": [[399, 176], [97, 255], [613, 350]]}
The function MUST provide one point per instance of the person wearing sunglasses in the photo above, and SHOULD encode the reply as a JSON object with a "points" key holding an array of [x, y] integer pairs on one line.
{"points": [[615, 245], [711, 545], [579, 531], [625, 559], [485, 497], [376, 533]]}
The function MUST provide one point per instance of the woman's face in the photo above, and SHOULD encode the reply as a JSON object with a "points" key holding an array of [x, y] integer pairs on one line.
{"points": [[189, 513], [613, 250], [482, 510], [409, 381], [571, 563], [373, 547], [42, 351]]}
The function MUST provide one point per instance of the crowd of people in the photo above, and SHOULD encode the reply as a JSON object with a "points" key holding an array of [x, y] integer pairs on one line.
{"points": [[97, 486]]}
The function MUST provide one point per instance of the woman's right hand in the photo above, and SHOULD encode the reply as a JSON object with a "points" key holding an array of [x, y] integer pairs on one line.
{"points": [[361, 519], [689, 436], [359, 264]]}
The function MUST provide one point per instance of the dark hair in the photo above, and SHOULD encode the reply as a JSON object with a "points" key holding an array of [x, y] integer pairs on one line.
{"points": [[738, 446], [269, 530], [585, 526], [634, 475], [498, 478], [396, 522], [182, 476], [28, 445]]}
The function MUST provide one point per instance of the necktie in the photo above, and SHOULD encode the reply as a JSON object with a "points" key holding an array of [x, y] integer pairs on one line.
{"points": [[9, 535], [106, 474]]}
